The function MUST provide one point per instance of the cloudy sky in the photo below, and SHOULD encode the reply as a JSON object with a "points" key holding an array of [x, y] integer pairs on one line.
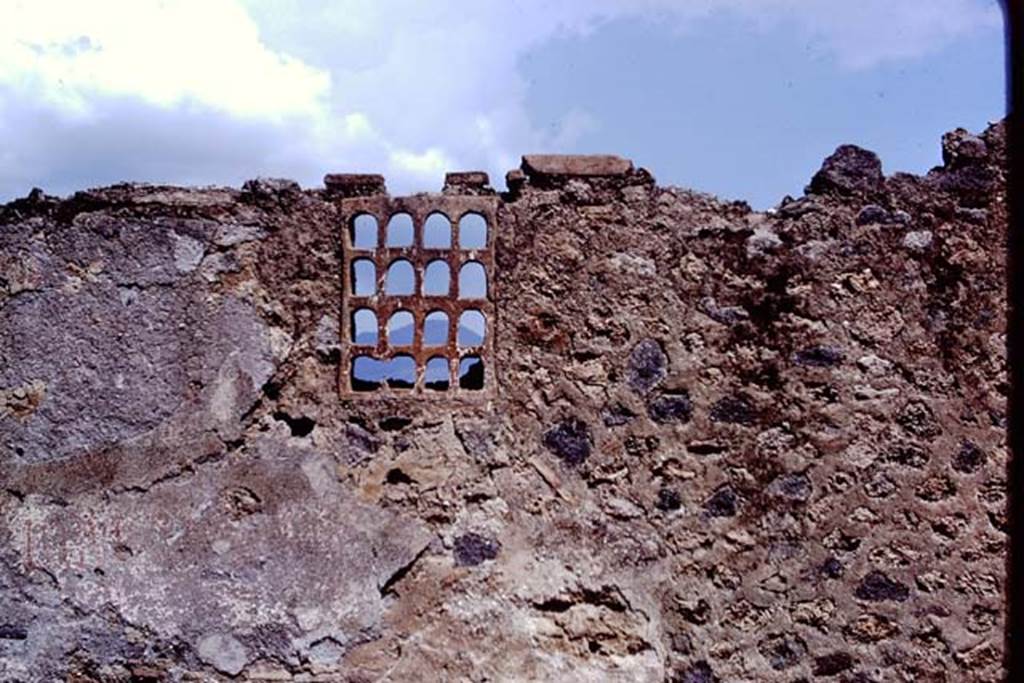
{"points": [[738, 97]]}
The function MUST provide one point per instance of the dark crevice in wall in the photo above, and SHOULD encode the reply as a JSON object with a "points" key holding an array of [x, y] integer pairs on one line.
{"points": [[395, 423], [299, 426], [388, 587]]}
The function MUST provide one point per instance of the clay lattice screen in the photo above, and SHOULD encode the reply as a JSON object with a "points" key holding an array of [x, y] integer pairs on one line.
{"points": [[393, 280]]}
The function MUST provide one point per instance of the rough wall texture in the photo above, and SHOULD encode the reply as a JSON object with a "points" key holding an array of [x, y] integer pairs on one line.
{"points": [[724, 446]]}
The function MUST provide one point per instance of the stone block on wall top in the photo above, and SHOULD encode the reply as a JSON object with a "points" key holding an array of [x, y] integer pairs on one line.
{"points": [[540, 165]]}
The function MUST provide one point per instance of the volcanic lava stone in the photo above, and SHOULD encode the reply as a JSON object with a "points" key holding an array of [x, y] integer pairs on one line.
{"points": [[918, 419], [832, 664], [647, 366], [909, 455], [961, 148], [818, 357], [473, 549], [670, 408], [570, 440], [969, 459], [872, 213], [795, 487], [668, 500], [698, 673], [617, 415], [734, 410], [877, 587], [783, 651], [832, 568], [723, 503], [849, 170]]}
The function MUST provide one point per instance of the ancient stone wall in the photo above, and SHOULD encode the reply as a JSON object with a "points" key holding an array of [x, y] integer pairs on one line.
{"points": [[715, 444]]}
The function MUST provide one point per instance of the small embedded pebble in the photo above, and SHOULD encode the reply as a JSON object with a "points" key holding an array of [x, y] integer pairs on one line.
{"points": [[918, 241], [832, 568], [668, 500]]}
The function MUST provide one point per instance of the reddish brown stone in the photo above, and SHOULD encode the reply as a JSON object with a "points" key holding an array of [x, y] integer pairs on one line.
{"points": [[575, 165]]}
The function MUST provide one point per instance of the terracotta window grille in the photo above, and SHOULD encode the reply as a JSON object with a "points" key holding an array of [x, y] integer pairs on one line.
{"points": [[418, 293]]}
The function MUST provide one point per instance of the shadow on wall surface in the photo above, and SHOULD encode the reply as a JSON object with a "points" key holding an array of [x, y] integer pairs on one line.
{"points": [[1014, 643]]}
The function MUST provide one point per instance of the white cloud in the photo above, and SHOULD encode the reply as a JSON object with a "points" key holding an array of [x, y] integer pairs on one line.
{"points": [[186, 52], [410, 88], [428, 164]]}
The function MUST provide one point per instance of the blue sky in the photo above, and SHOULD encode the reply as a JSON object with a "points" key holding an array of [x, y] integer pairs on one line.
{"points": [[750, 114], [742, 98]]}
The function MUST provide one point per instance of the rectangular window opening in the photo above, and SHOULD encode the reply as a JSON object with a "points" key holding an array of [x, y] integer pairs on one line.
{"points": [[418, 300]]}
